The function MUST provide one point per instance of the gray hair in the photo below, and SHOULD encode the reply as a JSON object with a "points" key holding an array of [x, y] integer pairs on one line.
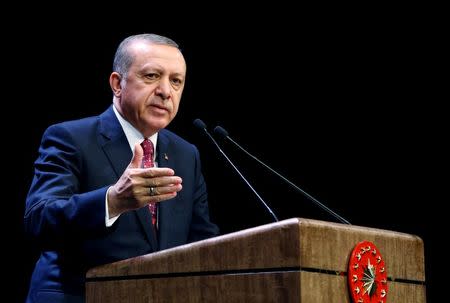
{"points": [[123, 58]]}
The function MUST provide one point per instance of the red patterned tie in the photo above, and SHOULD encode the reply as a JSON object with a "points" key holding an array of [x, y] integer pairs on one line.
{"points": [[147, 161]]}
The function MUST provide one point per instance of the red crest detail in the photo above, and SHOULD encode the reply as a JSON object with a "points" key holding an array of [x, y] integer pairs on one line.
{"points": [[367, 276]]}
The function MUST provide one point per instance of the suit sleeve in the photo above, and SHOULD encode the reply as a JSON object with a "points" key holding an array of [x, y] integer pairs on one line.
{"points": [[201, 226], [55, 208]]}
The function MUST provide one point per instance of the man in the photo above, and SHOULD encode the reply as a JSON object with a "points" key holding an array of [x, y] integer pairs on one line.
{"points": [[88, 202]]}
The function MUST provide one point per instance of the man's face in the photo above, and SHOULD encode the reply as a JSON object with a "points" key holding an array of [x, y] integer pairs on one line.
{"points": [[151, 91]]}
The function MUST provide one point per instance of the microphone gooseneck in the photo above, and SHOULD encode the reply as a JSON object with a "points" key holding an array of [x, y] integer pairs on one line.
{"points": [[224, 134], [201, 125]]}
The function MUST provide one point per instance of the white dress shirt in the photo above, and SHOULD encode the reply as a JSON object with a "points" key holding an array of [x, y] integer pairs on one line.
{"points": [[133, 137]]}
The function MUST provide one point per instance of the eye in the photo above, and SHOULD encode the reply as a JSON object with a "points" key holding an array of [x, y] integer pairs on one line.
{"points": [[152, 76], [177, 81]]}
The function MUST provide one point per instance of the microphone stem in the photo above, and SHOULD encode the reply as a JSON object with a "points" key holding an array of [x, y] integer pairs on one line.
{"points": [[341, 219], [243, 178]]}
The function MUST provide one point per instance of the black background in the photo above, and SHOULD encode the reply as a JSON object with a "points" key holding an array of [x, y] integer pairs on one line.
{"points": [[343, 104]]}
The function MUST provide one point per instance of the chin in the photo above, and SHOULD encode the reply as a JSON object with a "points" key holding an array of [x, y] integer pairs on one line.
{"points": [[158, 125]]}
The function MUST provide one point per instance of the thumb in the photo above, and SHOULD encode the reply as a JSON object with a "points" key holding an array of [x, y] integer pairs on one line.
{"points": [[136, 161]]}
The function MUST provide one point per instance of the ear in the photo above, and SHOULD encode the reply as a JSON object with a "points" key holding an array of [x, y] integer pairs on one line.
{"points": [[114, 82]]}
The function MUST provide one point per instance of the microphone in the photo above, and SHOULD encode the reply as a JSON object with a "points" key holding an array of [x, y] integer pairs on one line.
{"points": [[224, 134], [201, 125]]}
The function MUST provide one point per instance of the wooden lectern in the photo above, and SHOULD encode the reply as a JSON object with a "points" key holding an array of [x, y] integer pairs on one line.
{"points": [[295, 260]]}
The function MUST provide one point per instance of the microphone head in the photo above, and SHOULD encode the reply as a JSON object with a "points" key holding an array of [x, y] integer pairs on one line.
{"points": [[199, 124], [219, 130]]}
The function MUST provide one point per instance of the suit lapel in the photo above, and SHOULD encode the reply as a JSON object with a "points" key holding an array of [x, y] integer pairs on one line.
{"points": [[114, 142], [163, 154], [117, 150], [165, 159]]}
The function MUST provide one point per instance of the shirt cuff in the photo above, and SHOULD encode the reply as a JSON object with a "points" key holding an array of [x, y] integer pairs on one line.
{"points": [[109, 221]]}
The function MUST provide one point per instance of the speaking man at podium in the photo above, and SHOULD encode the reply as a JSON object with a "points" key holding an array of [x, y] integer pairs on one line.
{"points": [[117, 185]]}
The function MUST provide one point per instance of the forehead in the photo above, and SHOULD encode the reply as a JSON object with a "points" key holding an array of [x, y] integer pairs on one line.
{"points": [[148, 55]]}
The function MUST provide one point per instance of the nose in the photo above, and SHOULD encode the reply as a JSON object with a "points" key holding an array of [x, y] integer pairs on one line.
{"points": [[163, 88]]}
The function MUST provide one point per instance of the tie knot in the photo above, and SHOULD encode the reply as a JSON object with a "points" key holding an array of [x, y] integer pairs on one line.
{"points": [[147, 159], [147, 146]]}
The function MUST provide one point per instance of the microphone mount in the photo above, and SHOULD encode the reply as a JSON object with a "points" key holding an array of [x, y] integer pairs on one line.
{"points": [[201, 125], [223, 133]]}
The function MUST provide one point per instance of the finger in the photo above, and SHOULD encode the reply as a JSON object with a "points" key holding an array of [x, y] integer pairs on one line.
{"points": [[161, 181], [157, 172], [137, 157], [160, 198], [153, 191]]}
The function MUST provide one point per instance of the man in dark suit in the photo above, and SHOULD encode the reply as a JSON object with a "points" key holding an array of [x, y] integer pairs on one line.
{"points": [[87, 204]]}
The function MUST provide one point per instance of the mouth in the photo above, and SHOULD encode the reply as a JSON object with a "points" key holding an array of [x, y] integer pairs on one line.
{"points": [[159, 108]]}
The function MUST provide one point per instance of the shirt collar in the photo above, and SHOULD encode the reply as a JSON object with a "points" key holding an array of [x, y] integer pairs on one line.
{"points": [[132, 134]]}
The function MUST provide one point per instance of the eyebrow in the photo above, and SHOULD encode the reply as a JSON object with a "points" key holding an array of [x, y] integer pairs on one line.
{"points": [[160, 68]]}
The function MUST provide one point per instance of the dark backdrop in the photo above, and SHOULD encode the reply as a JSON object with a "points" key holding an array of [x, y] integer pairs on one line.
{"points": [[343, 107]]}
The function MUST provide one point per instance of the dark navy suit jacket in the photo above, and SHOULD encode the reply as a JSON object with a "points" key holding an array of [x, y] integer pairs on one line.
{"points": [[65, 207]]}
